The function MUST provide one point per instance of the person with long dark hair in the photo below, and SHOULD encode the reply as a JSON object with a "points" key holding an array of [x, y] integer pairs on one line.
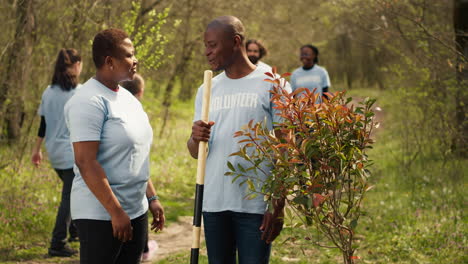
{"points": [[111, 136], [310, 75], [54, 131]]}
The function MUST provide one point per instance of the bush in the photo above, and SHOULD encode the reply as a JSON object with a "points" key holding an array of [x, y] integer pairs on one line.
{"points": [[319, 164]]}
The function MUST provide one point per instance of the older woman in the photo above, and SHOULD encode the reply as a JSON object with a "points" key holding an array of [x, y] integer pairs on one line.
{"points": [[57, 141], [111, 138]]}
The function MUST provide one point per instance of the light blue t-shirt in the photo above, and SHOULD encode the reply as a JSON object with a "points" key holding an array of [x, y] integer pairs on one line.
{"points": [[267, 68], [117, 120], [234, 102], [317, 77], [57, 137], [264, 65]]}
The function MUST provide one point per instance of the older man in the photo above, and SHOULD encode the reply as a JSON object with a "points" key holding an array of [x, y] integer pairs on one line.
{"points": [[239, 94]]}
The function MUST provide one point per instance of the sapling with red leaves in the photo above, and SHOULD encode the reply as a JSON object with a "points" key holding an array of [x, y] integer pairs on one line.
{"points": [[319, 164]]}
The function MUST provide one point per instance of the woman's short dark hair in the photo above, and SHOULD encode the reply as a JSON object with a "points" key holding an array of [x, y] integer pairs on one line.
{"points": [[262, 49], [134, 86], [63, 77], [106, 43], [315, 49]]}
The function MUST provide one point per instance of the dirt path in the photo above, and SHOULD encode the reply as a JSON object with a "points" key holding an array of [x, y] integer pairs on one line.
{"points": [[176, 238]]}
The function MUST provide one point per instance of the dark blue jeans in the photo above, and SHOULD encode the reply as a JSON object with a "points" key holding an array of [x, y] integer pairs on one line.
{"points": [[227, 232], [63, 219]]}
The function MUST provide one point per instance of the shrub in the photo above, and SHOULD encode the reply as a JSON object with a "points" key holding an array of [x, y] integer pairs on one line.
{"points": [[318, 164]]}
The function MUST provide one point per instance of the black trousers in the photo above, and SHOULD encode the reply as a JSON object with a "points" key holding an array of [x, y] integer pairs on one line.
{"points": [[99, 246], [63, 219]]}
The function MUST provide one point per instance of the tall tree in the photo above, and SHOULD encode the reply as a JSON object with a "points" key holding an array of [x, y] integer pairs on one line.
{"points": [[18, 68], [460, 19]]}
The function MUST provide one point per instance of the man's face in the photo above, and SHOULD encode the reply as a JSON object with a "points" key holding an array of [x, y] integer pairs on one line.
{"points": [[253, 52], [219, 49]]}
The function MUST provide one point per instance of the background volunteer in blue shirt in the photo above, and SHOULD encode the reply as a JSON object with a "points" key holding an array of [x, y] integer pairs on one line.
{"points": [[111, 137], [310, 75], [57, 141], [239, 94]]}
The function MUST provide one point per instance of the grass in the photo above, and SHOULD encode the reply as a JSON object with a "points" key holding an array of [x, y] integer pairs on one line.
{"points": [[415, 214]]}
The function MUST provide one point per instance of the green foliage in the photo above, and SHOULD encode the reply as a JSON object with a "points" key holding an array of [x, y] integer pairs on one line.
{"points": [[415, 214], [319, 163], [147, 36], [28, 207]]}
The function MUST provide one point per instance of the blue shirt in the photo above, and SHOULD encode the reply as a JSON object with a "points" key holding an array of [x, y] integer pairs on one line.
{"points": [[57, 136], [267, 68], [264, 65], [234, 102], [117, 120], [317, 77]]}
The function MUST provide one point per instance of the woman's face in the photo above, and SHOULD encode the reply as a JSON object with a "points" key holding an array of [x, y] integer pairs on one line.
{"points": [[307, 57], [125, 64]]}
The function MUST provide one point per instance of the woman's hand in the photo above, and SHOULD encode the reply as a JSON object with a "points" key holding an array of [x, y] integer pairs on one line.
{"points": [[158, 215], [36, 153], [121, 226], [36, 158]]}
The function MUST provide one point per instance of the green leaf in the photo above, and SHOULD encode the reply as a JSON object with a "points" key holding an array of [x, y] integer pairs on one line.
{"points": [[235, 178], [251, 185], [301, 200], [230, 166], [252, 196], [353, 224], [241, 168]]}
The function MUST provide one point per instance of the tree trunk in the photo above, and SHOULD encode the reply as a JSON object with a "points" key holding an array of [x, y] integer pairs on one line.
{"points": [[460, 20], [181, 67], [17, 71]]}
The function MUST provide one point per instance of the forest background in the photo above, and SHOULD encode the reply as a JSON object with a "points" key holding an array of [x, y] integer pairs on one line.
{"points": [[409, 54]]}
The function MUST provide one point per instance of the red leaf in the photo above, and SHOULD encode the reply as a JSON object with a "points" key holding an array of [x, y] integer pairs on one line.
{"points": [[315, 185], [270, 74], [318, 199], [270, 81], [286, 74], [355, 257], [238, 133]]}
